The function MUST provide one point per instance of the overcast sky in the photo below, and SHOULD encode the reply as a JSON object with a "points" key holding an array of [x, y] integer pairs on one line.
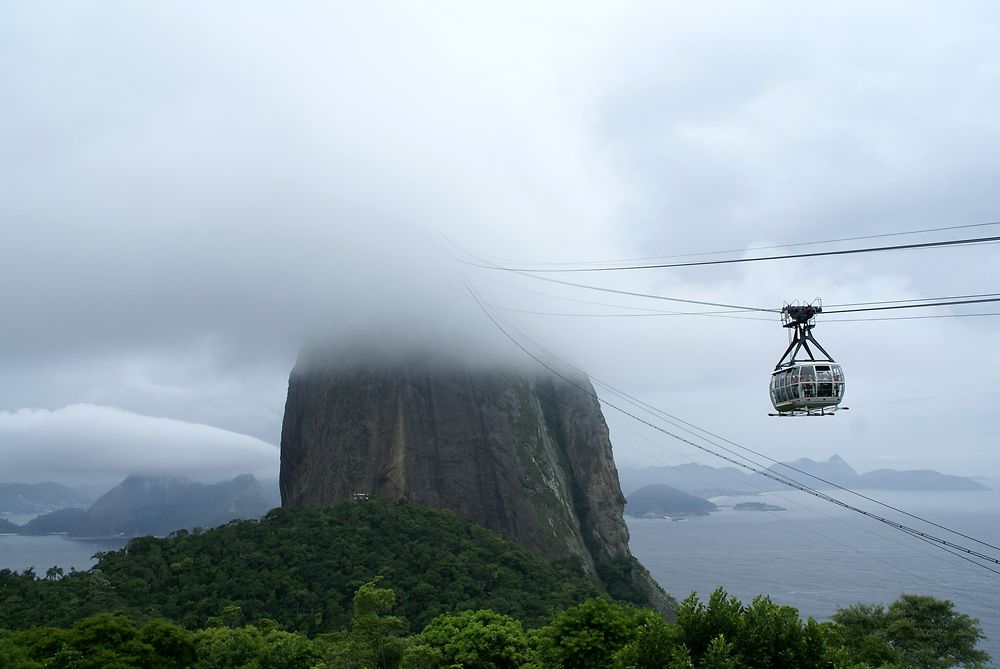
{"points": [[189, 191]]}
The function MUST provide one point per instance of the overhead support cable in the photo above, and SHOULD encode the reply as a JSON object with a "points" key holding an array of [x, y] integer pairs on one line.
{"points": [[910, 318], [708, 314], [750, 248], [650, 296], [735, 261], [915, 299], [563, 298], [912, 306], [601, 289]]}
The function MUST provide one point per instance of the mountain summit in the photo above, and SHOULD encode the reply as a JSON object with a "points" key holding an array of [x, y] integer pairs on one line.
{"points": [[524, 453]]}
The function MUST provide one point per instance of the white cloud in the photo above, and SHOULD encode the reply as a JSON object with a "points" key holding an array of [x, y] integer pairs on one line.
{"points": [[85, 443], [189, 190]]}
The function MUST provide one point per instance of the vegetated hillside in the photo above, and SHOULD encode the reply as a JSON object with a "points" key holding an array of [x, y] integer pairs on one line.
{"points": [[662, 500], [301, 567], [7, 527]]}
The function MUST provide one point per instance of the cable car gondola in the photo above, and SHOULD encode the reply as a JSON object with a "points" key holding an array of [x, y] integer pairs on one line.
{"points": [[813, 387]]}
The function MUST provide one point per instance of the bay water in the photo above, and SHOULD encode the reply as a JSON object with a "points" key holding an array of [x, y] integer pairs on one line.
{"points": [[819, 557], [19, 552]]}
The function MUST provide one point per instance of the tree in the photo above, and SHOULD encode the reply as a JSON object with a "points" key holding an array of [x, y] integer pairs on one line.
{"points": [[480, 639], [720, 655], [763, 634], [107, 641], [587, 636], [13, 655], [173, 645], [102, 641], [262, 646], [916, 631], [370, 644], [656, 644]]}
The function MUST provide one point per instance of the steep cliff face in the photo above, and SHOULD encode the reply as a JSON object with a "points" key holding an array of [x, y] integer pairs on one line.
{"points": [[525, 454]]}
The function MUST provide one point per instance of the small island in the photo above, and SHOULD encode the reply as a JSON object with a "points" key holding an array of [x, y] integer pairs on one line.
{"points": [[661, 501], [756, 506]]}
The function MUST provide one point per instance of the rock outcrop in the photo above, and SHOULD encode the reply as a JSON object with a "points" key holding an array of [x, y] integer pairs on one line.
{"points": [[523, 453]]}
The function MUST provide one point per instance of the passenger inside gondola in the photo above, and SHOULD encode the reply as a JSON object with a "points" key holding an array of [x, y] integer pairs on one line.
{"points": [[808, 386]]}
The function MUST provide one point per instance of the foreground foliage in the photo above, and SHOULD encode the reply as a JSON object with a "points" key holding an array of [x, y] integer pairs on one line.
{"points": [[915, 631], [722, 633]]}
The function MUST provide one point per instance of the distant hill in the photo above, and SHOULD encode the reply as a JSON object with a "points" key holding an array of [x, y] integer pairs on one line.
{"points": [[26, 498], [711, 481], [691, 478], [662, 500], [919, 479], [991, 483], [143, 505], [834, 470], [7, 527], [55, 522]]}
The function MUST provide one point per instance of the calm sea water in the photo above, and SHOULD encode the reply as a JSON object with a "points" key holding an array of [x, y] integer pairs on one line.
{"points": [[818, 557], [19, 552]]}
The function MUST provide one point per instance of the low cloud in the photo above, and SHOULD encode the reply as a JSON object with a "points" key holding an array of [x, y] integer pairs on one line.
{"points": [[83, 443]]}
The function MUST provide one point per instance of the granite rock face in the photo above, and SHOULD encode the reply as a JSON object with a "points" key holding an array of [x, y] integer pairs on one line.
{"points": [[524, 453]]}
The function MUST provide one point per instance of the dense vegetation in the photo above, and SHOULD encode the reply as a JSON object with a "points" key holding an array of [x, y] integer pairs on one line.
{"points": [[427, 591], [918, 632], [301, 568]]}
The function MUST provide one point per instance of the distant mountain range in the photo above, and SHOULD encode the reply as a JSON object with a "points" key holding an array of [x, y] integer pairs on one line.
{"points": [[144, 505], [706, 481]]}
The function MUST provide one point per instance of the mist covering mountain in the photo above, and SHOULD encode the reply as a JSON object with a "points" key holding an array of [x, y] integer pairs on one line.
{"points": [[708, 481]]}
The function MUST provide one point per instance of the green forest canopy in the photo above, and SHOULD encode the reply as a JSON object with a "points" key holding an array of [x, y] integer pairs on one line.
{"points": [[301, 568], [395, 585]]}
